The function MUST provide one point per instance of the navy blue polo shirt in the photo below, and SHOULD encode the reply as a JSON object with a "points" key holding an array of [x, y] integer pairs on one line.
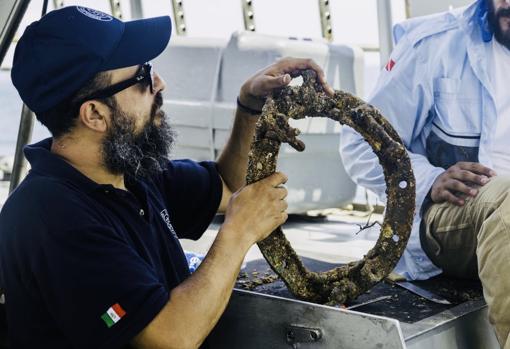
{"points": [[89, 266]]}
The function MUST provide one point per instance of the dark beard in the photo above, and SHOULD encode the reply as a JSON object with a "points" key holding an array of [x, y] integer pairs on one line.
{"points": [[503, 37], [139, 155]]}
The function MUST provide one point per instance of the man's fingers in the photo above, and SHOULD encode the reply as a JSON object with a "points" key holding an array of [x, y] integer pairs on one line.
{"points": [[292, 64], [461, 179], [277, 179], [289, 64], [285, 79], [447, 196], [284, 217], [456, 185], [283, 205], [477, 168], [272, 82], [281, 193], [468, 176], [328, 89], [280, 74]]}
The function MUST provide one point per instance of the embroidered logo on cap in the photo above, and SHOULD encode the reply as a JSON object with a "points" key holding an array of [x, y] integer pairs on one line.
{"points": [[94, 14]]}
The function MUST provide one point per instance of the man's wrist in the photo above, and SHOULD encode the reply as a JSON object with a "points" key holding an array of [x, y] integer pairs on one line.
{"points": [[246, 109], [234, 236], [251, 102]]}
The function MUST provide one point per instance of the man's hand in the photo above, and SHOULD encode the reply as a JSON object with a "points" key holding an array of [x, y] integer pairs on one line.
{"points": [[257, 209], [233, 160], [460, 181], [277, 75], [252, 214]]}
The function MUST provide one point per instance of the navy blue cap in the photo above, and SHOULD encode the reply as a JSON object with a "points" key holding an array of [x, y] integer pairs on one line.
{"points": [[66, 48]]}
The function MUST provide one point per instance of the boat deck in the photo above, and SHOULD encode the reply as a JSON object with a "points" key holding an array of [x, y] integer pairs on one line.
{"points": [[408, 320]]}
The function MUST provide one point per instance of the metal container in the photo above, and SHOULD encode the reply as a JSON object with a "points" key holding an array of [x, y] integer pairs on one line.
{"points": [[254, 320]]}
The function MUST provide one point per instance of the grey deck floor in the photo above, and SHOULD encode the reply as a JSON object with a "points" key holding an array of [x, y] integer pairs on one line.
{"points": [[335, 238]]}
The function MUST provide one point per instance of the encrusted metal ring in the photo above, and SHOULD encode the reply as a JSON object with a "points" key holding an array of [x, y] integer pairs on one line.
{"points": [[347, 282]]}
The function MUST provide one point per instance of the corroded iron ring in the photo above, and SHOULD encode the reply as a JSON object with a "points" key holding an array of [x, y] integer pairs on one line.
{"points": [[347, 282]]}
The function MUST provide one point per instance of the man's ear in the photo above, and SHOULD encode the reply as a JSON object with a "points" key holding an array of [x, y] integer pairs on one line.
{"points": [[95, 116]]}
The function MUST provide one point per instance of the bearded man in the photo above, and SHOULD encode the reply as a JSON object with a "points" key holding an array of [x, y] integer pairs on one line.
{"points": [[89, 249], [445, 92]]}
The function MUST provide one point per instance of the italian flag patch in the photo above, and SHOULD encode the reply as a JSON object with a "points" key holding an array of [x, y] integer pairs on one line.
{"points": [[113, 315]]}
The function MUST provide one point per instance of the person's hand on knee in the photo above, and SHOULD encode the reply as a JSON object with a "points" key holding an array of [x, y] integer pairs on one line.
{"points": [[460, 181]]}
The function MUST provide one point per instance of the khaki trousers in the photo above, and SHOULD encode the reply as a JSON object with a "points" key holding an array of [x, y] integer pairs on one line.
{"points": [[474, 241]]}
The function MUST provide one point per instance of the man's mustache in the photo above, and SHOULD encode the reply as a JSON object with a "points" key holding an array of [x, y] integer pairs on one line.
{"points": [[503, 12], [158, 99], [157, 104]]}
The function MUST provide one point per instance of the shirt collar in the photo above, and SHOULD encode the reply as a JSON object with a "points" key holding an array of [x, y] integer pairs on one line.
{"points": [[46, 163]]}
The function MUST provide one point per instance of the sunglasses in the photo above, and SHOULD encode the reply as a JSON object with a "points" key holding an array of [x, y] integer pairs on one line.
{"points": [[142, 76]]}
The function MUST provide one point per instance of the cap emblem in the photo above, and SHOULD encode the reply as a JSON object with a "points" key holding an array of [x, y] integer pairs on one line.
{"points": [[94, 14]]}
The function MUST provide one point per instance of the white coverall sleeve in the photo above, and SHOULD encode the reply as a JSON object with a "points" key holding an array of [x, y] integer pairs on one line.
{"points": [[404, 95]]}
